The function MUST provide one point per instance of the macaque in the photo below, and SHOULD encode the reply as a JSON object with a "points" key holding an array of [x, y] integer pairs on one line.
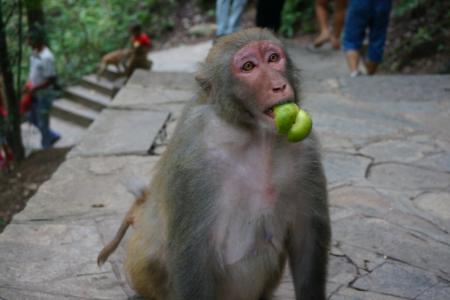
{"points": [[118, 58], [232, 201]]}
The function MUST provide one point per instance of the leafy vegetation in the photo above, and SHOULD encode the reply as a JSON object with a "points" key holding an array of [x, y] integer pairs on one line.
{"points": [[81, 31], [297, 15], [419, 37]]}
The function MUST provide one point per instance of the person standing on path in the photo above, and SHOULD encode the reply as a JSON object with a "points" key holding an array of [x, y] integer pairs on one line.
{"points": [[41, 86], [321, 8], [362, 15], [228, 16]]}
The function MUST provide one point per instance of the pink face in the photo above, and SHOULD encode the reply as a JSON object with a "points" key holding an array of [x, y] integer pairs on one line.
{"points": [[260, 67]]}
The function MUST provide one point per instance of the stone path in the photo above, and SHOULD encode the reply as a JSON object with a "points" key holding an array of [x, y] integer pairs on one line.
{"points": [[386, 147]]}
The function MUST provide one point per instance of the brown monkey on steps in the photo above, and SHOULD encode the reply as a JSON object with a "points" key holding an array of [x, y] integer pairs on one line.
{"points": [[118, 58], [231, 200]]}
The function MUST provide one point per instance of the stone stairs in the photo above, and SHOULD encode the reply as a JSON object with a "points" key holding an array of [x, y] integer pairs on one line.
{"points": [[78, 107], [82, 103]]}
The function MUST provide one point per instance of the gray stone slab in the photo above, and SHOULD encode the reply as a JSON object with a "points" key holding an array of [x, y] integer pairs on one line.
{"points": [[406, 214], [331, 142], [81, 184], [422, 100], [339, 105], [118, 132], [397, 280], [355, 129], [149, 98], [54, 259], [184, 58], [342, 168], [400, 211], [440, 291], [360, 199], [437, 204], [401, 176], [340, 270], [319, 64], [399, 150], [438, 161], [365, 260], [388, 88], [166, 80], [23, 294], [385, 238], [352, 294]]}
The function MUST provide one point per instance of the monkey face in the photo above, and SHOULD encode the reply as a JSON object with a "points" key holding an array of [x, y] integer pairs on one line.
{"points": [[260, 72]]}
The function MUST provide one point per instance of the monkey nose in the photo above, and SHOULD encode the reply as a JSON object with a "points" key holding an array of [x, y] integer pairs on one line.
{"points": [[279, 89]]}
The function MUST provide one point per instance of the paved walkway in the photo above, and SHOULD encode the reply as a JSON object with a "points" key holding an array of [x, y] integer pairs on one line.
{"points": [[386, 145]]}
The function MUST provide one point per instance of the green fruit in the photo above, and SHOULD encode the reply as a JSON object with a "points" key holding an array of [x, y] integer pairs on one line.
{"points": [[285, 115], [301, 128]]}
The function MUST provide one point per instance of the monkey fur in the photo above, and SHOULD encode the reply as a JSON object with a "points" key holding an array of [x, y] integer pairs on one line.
{"points": [[231, 202], [118, 58]]}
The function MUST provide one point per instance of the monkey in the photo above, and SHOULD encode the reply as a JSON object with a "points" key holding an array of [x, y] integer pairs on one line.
{"points": [[138, 60], [119, 58], [232, 202]]}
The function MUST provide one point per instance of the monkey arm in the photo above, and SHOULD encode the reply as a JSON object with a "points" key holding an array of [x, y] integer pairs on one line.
{"points": [[191, 215], [309, 270]]}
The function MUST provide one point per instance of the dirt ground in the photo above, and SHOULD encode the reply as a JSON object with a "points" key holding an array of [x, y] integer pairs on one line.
{"points": [[23, 180]]}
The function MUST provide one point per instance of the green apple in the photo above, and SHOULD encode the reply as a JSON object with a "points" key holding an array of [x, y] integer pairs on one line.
{"points": [[301, 128], [285, 115]]}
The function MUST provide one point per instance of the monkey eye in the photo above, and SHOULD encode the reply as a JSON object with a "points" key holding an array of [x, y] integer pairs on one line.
{"points": [[248, 66], [274, 57]]}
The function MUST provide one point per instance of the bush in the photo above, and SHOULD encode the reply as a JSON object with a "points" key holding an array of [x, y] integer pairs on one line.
{"points": [[297, 15]]}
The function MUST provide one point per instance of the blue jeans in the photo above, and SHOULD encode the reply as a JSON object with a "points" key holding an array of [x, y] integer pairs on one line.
{"points": [[228, 15], [39, 116], [363, 15]]}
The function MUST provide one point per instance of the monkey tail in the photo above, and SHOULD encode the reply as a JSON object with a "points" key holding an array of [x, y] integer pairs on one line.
{"points": [[114, 243], [138, 189]]}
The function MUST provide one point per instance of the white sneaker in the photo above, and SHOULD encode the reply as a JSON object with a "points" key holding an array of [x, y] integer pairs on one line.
{"points": [[355, 74]]}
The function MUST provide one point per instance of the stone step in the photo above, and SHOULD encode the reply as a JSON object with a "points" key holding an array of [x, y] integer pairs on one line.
{"points": [[99, 84], [71, 133], [73, 112], [87, 97], [111, 73]]}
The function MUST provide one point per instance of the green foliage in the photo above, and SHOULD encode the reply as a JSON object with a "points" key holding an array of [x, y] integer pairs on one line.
{"points": [[403, 7], [81, 31], [419, 31], [297, 14]]}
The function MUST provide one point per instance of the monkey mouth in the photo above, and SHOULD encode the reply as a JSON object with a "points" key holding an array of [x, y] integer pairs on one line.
{"points": [[269, 111]]}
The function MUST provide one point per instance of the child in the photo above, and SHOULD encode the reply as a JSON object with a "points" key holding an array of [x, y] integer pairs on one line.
{"points": [[141, 47]]}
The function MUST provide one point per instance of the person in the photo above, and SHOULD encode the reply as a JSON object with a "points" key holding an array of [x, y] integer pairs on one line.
{"points": [[6, 154], [41, 85], [321, 9], [228, 16], [268, 14], [362, 15], [142, 45]]}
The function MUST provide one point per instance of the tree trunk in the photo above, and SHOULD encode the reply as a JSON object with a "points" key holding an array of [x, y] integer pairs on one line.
{"points": [[13, 134], [35, 14]]}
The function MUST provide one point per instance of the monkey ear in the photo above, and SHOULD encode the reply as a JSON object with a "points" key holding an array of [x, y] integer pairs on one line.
{"points": [[203, 81]]}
